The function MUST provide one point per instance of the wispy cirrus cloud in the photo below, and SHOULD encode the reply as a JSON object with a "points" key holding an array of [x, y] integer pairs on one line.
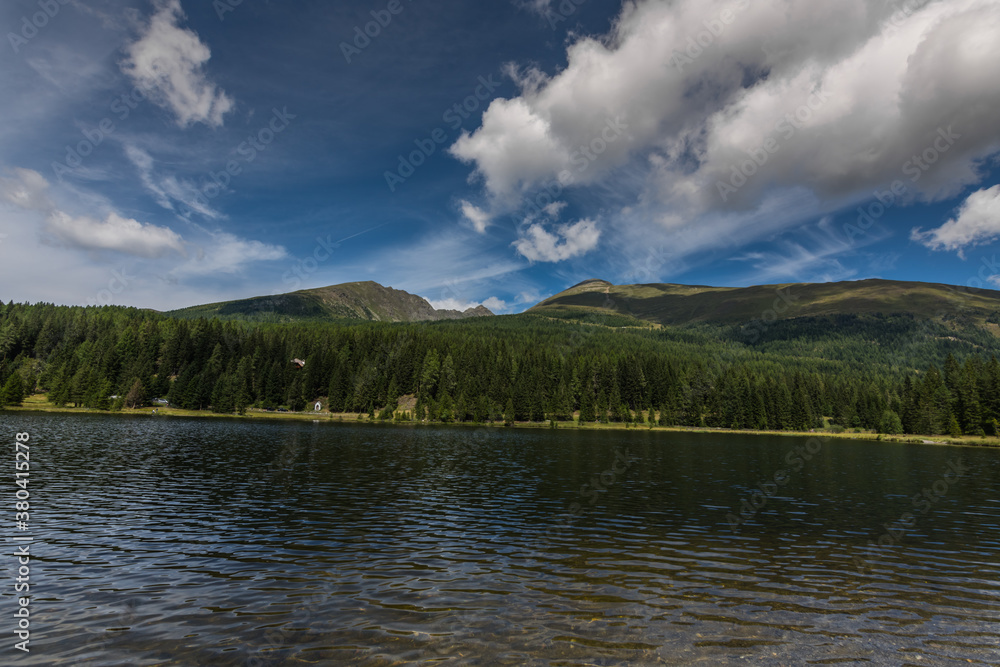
{"points": [[170, 188], [218, 252]]}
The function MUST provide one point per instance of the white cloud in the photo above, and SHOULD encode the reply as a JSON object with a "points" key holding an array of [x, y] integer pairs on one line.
{"points": [[169, 61], [451, 304], [226, 253], [882, 83], [479, 218], [977, 223], [515, 148], [538, 6], [28, 190], [170, 188], [143, 161], [114, 233], [219, 253], [496, 305], [539, 245], [554, 209]]}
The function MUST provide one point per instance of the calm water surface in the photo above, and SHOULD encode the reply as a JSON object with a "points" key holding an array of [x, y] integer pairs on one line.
{"points": [[202, 542]]}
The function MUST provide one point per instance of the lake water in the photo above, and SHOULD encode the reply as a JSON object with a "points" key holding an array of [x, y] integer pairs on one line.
{"points": [[213, 542]]}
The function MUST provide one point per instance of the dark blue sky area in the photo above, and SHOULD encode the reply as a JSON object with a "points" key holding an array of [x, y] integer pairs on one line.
{"points": [[170, 153]]}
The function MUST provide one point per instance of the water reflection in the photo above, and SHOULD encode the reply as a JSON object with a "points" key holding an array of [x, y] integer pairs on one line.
{"points": [[182, 542]]}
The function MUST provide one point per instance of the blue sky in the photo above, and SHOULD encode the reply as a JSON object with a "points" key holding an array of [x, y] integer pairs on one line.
{"points": [[164, 153]]}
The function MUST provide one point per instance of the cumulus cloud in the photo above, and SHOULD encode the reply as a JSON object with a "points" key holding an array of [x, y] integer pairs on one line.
{"points": [[539, 245], [28, 190], [479, 218], [168, 61], [977, 223], [680, 97], [496, 305], [116, 233]]}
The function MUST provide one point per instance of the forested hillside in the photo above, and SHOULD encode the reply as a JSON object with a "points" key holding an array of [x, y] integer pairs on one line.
{"points": [[872, 372]]}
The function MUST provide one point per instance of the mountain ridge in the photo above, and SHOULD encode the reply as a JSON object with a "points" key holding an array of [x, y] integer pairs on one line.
{"points": [[678, 305], [363, 301], [665, 304]]}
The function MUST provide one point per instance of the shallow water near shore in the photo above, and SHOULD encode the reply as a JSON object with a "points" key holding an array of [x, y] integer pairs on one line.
{"points": [[217, 542]]}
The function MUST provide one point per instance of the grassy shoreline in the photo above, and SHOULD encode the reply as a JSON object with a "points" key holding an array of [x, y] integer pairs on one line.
{"points": [[39, 403]]}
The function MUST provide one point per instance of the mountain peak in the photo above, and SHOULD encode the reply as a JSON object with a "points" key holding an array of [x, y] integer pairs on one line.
{"points": [[593, 282], [366, 301]]}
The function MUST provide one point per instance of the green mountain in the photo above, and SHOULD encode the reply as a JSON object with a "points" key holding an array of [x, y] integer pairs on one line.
{"points": [[891, 356], [366, 301], [679, 305]]}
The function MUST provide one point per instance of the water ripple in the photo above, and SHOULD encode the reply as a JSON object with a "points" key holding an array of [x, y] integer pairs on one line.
{"points": [[181, 542]]}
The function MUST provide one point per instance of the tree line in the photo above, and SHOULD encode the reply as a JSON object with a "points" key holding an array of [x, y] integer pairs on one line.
{"points": [[886, 374]]}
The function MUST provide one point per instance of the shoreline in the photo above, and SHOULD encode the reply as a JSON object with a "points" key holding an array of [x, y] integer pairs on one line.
{"points": [[39, 404]]}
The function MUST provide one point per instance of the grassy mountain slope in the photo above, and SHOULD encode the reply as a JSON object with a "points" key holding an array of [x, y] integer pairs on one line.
{"points": [[366, 301], [677, 305]]}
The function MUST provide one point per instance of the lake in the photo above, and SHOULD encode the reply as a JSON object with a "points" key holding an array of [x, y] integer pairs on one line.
{"points": [[163, 541]]}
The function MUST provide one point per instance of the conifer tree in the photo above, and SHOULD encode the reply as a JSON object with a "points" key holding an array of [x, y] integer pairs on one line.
{"points": [[136, 397], [13, 391]]}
